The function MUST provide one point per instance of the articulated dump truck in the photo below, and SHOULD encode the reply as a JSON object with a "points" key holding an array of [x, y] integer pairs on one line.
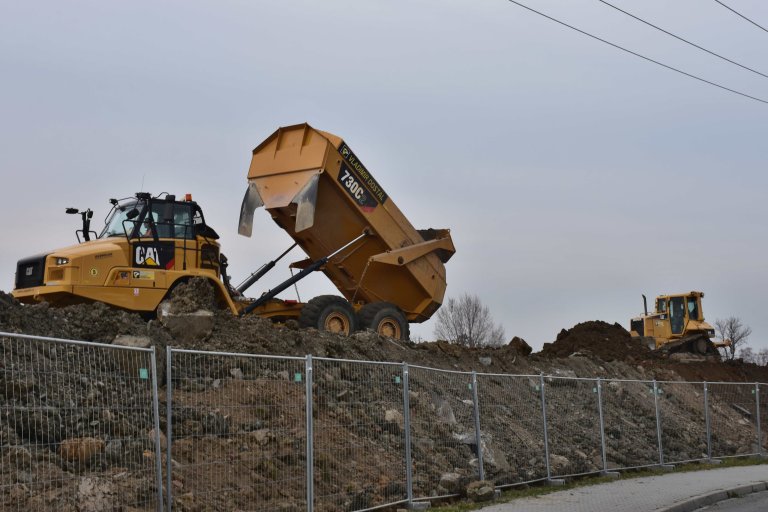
{"points": [[317, 190]]}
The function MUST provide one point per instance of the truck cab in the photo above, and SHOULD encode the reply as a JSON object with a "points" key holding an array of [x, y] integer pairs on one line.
{"points": [[146, 245]]}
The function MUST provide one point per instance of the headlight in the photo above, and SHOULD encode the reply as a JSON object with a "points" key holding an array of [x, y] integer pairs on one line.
{"points": [[62, 261]]}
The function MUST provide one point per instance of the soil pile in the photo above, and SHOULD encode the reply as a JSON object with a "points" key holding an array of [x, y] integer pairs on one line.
{"points": [[239, 421], [609, 342]]}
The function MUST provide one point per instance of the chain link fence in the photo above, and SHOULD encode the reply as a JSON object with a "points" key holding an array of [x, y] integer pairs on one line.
{"points": [[629, 410], [78, 426], [359, 434], [512, 429], [683, 421], [573, 428], [236, 426], [442, 435]]}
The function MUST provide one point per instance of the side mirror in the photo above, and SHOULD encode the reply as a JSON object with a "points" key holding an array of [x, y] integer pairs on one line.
{"points": [[72, 211]]}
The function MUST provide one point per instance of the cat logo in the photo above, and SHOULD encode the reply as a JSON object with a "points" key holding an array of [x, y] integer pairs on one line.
{"points": [[146, 255], [154, 255]]}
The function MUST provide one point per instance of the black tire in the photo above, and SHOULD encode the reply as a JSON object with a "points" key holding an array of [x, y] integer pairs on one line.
{"points": [[329, 313], [385, 319]]}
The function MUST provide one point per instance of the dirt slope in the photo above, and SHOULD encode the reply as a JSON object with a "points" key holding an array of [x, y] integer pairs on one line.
{"points": [[356, 415]]}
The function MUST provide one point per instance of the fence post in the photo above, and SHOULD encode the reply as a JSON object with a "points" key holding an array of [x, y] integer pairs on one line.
{"points": [[156, 422], [407, 427], [309, 398], [544, 418], [168, 427], [602, 422], [757, 422], [478, 438], [658, 420], [706, 421]]}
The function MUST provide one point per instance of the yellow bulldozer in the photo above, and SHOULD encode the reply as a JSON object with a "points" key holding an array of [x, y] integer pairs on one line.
{"points": [[316, 189], [677, 325]]}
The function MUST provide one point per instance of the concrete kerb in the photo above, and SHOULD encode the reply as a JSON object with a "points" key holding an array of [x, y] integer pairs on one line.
{"points": [[710, 499]]}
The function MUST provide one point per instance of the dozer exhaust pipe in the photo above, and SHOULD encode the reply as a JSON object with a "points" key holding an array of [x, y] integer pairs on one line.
{"points": [[645, 305], [298, 277]]}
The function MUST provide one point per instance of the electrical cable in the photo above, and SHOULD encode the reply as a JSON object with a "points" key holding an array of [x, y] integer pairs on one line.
{"points": [[682, 39], [739, 14], [734, 91]]}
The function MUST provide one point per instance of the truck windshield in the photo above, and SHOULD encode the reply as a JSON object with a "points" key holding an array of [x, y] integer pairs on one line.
{"points": [[115, 220]]}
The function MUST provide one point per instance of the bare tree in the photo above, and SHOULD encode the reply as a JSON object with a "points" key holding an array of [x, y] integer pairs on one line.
{"points": [[466, 321], [759, 358], [731, 329]]}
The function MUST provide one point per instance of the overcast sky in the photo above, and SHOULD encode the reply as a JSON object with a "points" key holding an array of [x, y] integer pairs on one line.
{"points": [[573, 177]]}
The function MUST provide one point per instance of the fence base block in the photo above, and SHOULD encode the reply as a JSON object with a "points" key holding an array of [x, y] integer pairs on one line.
{"points": [[666, 467], [714, 462], [611, 474], [416, 505], [556, 482]]}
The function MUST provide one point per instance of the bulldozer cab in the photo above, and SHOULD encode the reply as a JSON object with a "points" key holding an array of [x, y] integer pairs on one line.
{"points": [[675, 312]]}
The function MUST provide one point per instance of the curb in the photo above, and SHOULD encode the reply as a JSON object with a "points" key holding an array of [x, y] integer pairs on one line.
{"points": [[698, 502]]}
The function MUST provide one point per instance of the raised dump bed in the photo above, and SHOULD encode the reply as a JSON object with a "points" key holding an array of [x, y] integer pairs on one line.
{"points": [[321, 194]]}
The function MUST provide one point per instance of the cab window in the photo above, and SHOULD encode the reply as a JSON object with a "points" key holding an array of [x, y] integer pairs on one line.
{"points": [[693, 308], [661, 306], [173, 220]]}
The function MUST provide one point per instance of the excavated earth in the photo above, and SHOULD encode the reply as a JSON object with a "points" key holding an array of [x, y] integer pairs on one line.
{"points": [[239, 432]]}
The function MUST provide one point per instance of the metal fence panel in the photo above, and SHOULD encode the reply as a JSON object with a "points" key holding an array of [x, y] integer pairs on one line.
{"points": [[683, 423], [733, 420], [630, 424], [512, 430], [78, 428], [443, 436], [359, 437], [762, 423], [238, 436], [573, 426]]}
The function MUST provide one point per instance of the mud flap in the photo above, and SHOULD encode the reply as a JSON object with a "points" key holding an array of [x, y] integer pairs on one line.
{"points": [[251, 201], [305, 202]]}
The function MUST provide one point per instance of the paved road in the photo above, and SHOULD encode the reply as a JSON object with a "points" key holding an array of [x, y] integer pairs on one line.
{"points": [[757, 502], [647, 494]]}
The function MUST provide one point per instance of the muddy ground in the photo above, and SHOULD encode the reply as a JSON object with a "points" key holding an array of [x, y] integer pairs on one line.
{"points": [[239, 422]]}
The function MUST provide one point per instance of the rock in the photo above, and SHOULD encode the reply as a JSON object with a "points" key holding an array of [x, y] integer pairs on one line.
{"points": [[520, 346], [80, 449], [558, 463], [96, 495], [192, 327], [393, 421], [485, 361], [481, 490], [236, 373], [444, 411], [17, 456], [262, 436], [453, 483]]}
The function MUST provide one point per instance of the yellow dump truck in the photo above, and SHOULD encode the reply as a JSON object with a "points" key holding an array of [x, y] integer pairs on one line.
{"points": [[317, 190], [676, 325]]}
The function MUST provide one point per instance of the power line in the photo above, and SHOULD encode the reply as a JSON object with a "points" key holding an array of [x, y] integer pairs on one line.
{"points": [[681, 39], [739, 14], [639, 55]]}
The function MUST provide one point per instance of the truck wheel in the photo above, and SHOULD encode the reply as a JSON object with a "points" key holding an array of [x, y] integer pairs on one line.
{"points": [[384, 319], [329, 313]]}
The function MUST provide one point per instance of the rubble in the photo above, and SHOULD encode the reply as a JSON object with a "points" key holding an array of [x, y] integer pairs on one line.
{"points": [[49, 440]]}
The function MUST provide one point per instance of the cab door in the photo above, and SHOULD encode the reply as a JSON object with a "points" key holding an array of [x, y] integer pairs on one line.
{"points": [[677, 314]]}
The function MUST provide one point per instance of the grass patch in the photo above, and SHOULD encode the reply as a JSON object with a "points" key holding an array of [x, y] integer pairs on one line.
{"points": [[541, 489]]}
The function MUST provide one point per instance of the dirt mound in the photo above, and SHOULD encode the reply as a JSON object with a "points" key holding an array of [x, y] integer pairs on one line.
{"points": [[194, 295], [609, 342]]}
